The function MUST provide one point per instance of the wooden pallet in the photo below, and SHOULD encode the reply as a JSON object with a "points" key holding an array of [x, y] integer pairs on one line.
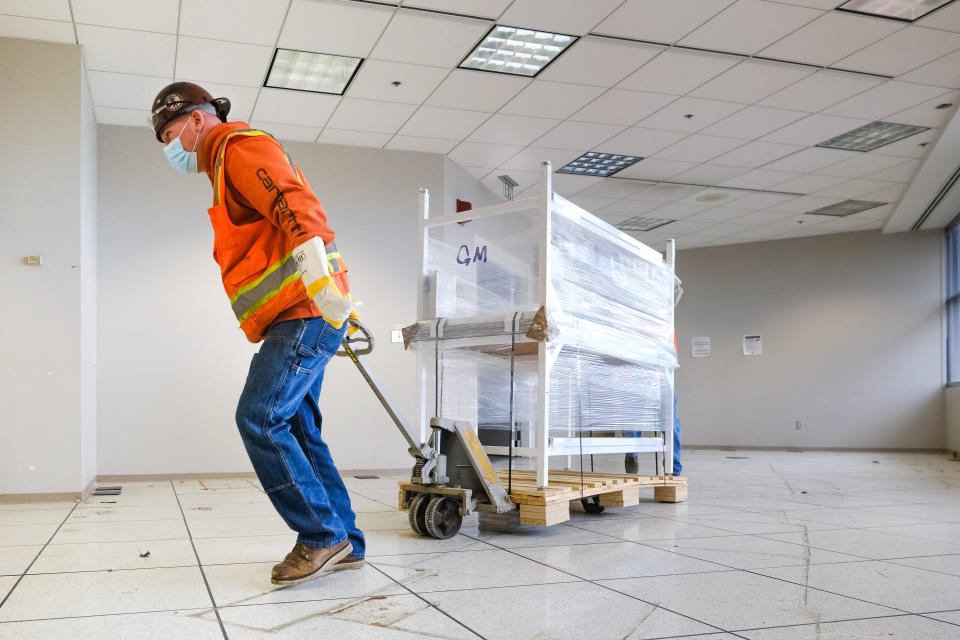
{"points": [[544, 507]]}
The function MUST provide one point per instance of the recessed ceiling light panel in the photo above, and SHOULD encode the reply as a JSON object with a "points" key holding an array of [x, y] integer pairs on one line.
{"points": [[907, 10], [638, 223], [601, 165], [872, 136], [845, 208], [316, 72], [520, 52]]}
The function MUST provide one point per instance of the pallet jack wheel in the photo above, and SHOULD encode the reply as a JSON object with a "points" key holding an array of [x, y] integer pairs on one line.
{"points": [[592, 504], [443, 517], [416, 513]]}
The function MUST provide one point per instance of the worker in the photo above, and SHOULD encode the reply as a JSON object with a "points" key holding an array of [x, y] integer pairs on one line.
{"points": [[631, 461], [287, 285]]}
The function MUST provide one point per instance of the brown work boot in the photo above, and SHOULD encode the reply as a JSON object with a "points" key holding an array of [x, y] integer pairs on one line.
{"points": [[348, 563], [305, 563]]}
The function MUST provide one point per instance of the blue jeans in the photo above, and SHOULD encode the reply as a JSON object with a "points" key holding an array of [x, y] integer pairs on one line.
{"points": [[677, 467], [280, 424]]}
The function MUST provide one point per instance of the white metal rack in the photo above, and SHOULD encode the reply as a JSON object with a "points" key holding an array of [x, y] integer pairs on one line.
{"points": [[430, 327]]}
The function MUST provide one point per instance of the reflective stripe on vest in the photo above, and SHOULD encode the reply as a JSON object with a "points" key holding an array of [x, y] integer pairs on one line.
{"points": [[251, 297]]}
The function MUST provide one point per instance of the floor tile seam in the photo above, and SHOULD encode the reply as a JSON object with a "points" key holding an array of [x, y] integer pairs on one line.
{"points": [[112, 570], [501, 586], [596, 583], [80, 524], [105, 615], [429, 604], [35, 558], [910, 566], [806, 586], [203, 573], [765, 536], [811, 624], [929, 617], [368, 557], [132, 541]]}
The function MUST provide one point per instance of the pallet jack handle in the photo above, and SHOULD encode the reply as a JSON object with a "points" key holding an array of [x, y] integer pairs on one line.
{"points": [[359, 342]]}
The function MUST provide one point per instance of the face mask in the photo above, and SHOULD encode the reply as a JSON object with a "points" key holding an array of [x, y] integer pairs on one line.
{"points": [[179, 158]]}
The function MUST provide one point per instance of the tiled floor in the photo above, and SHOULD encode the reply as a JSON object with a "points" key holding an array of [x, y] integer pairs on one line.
{"points": [[770, 546]]}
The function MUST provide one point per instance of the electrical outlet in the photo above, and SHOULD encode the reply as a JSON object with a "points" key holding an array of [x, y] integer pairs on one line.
{"points": [[798, 425]]}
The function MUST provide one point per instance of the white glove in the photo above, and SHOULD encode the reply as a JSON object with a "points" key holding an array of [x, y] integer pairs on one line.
{"points": [[311, 257]]}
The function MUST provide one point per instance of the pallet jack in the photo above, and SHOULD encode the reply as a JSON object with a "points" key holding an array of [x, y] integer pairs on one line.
{"points": [[452, 476]]}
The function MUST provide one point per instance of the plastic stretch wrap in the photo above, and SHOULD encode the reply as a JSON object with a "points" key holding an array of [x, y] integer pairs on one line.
{"points": [[606, 325]]}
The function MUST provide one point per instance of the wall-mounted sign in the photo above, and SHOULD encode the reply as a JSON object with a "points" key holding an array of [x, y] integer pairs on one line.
{"points": [[752, 345], [700, 347]]}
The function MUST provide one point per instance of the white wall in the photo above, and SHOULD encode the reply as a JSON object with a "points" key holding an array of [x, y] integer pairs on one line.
{"points": [[852, 329], [172, 361], [44, 379], [88, 286], [458, 184]]}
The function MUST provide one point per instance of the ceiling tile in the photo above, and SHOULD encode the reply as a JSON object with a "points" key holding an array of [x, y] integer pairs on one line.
{"points": [[699, 148], [856, 189], [36, 29], [476, 90], [927, 114], [619, 106], [764, 217], [638, 141], [476, 172], [719, 214], [480, 154], [727, 196], [550, 99], [942, 72], [759, 179], [289, 132], [820, 90], [751, 81], [887, 98], [450, 38], [910, 147], [753, 122], [525, 180], [620, 211], [755, 234], [593, 205], [656, 169], [747, 26], [126, 51], [722, 228], [353, 138], [860, 165], [599, 62], [225, 62], [709, 174], [354, 114], [814, 129], [947, 17], [504, 129], [375, 81], [581, 136], [146, 15], [573, 17], [809, 183], [667, 192], [811, 159], [678, 72], [123, 90], [532, 158], [703, 113], [612, 188], [294, 107], [567, 185], [480, 8], [47, 10], [325, 26], [675, 211], [804, 204], [660, 20], [242, 99], [899, 173], [434, 122], [756, 154], [904, 50], [126, 118], [427, 145], [831, 37], [249, 21]]}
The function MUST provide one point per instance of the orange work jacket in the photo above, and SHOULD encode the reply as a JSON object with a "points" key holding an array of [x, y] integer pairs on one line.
{"points": [[262, 209]]}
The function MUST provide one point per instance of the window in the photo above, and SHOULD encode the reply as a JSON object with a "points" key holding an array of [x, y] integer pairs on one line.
{"points": [[953, 304]]}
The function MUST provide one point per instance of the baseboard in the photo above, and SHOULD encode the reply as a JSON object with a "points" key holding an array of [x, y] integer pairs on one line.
{"points": [[18, 498], [727, 447]]}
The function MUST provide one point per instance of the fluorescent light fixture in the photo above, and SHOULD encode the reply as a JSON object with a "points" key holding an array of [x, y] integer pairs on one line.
{"points": [[520, 52], [637, 223], [316, 72], [872, 136], [598, 164], [845, 208], [906, 10]]}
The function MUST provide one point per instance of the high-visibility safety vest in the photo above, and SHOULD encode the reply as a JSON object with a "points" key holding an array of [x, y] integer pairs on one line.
{"points": [[259, 273]]}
